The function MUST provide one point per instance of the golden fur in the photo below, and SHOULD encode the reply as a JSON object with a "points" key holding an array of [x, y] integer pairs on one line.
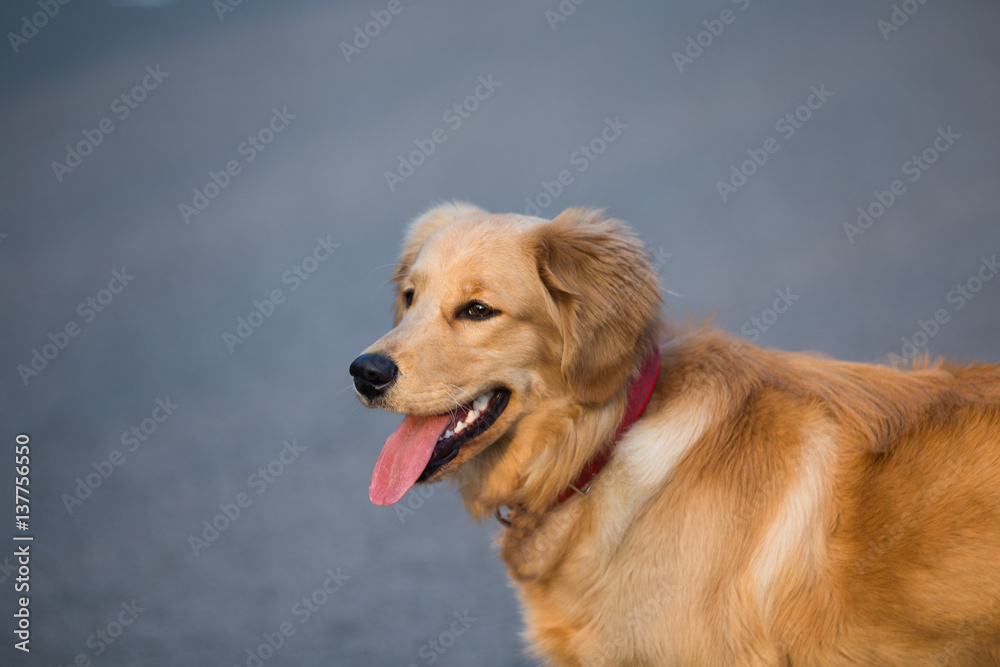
{"points": [[769, 508]]}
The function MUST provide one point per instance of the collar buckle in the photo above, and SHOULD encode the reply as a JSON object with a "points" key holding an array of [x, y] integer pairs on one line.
{"points": [[505, 520]]}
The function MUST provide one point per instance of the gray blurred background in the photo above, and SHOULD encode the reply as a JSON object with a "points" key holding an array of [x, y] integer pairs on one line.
{"points": [[401, 577]]}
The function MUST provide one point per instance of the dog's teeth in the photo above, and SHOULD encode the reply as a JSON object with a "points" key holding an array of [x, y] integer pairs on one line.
{"points": [[448, 434], [472, 416], [480, 403], [459, 427]]}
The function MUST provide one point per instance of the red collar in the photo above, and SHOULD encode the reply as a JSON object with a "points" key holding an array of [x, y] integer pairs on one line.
{"points": [[638, 397]]}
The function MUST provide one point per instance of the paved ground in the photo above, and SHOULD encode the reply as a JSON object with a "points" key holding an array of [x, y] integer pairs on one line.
{"points": [[683, 126]]}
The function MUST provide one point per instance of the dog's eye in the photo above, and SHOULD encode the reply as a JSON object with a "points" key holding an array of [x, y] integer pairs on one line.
{"points": [[408, 297], [477, 311]]}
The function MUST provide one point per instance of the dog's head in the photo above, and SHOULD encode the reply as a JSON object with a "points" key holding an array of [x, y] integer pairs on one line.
{"points": [[509, 330]]}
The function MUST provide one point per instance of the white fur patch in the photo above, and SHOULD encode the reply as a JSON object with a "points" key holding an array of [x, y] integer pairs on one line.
{"points": [[795, 535], [642, 463]]}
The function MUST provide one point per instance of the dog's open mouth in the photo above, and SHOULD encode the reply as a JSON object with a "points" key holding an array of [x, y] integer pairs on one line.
{"points": [[421, 445]]}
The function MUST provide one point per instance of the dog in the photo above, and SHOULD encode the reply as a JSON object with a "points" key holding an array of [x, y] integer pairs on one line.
{"points": [[671, 494]]}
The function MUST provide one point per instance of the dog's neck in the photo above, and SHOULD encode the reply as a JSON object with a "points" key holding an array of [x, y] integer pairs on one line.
{"points": [[533, 541], [639, 394]]}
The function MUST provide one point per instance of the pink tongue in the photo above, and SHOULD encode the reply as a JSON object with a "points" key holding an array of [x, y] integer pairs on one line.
{"points": [[404, 457]]}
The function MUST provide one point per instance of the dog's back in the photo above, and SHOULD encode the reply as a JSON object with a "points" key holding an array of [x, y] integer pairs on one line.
{"points": [[824, 513]]}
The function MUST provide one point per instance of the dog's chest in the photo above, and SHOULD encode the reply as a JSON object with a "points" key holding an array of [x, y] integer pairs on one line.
{"points": [[587, 605], [607, 579], [602, 620]]}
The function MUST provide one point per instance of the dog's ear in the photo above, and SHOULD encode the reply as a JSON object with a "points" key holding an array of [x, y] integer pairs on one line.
{"points": [[599, 276], [421, 229]]}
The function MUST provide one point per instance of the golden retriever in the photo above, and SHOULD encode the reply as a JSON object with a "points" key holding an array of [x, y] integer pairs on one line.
{"points": [[767, 508]]}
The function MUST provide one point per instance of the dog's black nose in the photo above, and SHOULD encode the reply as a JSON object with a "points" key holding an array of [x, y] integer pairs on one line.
{"points": [[373, 373]]}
